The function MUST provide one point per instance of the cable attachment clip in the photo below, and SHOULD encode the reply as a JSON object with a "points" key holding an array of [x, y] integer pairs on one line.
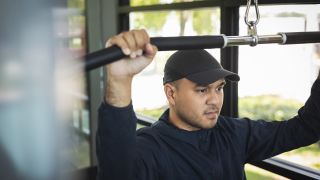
{"points": [[252, 25]]}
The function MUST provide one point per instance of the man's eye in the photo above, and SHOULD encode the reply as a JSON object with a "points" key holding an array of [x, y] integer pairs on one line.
{"points": [[220, 88], [202, 90]]}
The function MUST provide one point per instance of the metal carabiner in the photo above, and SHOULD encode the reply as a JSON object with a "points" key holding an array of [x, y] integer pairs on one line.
{"points": [[247, 13], [252, 25]]}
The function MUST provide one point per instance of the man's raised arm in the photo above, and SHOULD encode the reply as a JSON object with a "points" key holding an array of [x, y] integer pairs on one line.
{"points": [[116, 141]]}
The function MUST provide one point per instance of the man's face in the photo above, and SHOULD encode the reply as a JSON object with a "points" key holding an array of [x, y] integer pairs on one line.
{"points": [[196, 106]]}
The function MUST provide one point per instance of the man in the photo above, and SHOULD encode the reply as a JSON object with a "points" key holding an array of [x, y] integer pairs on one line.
{"points": [[191, 140]]}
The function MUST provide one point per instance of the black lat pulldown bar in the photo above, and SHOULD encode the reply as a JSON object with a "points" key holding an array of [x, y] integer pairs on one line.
{"points": [[111, 54]]}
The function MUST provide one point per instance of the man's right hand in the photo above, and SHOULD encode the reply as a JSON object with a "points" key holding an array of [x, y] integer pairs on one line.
{"points": [[135, 44]]}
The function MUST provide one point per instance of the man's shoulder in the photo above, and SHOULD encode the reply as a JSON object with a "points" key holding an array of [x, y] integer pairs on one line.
{"points": [[149, 130], [231, 123], [148, 140], [145, 131]]}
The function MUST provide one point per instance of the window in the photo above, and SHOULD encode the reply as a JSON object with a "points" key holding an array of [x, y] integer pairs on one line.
{"points": [[276, 80]]}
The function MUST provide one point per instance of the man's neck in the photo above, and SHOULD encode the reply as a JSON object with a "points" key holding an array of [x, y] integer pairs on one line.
{"points": [[177, 122]]}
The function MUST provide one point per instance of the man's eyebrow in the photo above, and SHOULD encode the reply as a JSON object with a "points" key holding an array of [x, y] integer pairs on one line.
{"points": [[201, 85], [223, 83]]}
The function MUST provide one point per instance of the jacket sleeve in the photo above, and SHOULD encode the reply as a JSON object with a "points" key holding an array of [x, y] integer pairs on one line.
{"points": [[122, 155], [116, 142], [267, 139]]}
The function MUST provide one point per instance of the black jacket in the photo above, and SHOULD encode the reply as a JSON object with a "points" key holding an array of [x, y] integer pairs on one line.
{"points": [[163, 151]]}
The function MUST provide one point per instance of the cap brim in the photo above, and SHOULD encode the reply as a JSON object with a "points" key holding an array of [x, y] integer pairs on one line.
{"points": [[210, 76]]}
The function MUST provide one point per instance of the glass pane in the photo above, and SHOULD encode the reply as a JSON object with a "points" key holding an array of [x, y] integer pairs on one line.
{"points": [[151, 100], [79, 132], [276, 80], [154, 2]]}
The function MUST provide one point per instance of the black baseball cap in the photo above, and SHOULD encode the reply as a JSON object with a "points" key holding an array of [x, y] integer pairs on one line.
{"points": [[197, 66]]}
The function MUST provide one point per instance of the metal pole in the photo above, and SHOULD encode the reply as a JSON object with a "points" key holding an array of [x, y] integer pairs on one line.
{"points": [[108, 55], [247, 40]]}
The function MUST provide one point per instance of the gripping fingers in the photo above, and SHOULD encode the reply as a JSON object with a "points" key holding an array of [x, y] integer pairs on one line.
{"points": [[120, 42], [132, 43], [140, 38], [150, 50], [137, 41]]}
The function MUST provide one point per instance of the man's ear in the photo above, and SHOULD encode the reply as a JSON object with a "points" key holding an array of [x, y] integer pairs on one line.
{"points": [[170, 91]]}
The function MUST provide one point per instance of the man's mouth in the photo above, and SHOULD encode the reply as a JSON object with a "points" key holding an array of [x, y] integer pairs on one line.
{"points": [[211, 114]]}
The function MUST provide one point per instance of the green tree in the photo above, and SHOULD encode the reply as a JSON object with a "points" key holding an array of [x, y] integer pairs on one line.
{"points": [[78, 4], [268, 107], [202, 22], [201, 19], [149, 20]]}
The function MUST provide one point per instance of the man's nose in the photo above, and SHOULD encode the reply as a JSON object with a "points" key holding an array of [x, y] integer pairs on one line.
{"points": [[213, 97]]}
